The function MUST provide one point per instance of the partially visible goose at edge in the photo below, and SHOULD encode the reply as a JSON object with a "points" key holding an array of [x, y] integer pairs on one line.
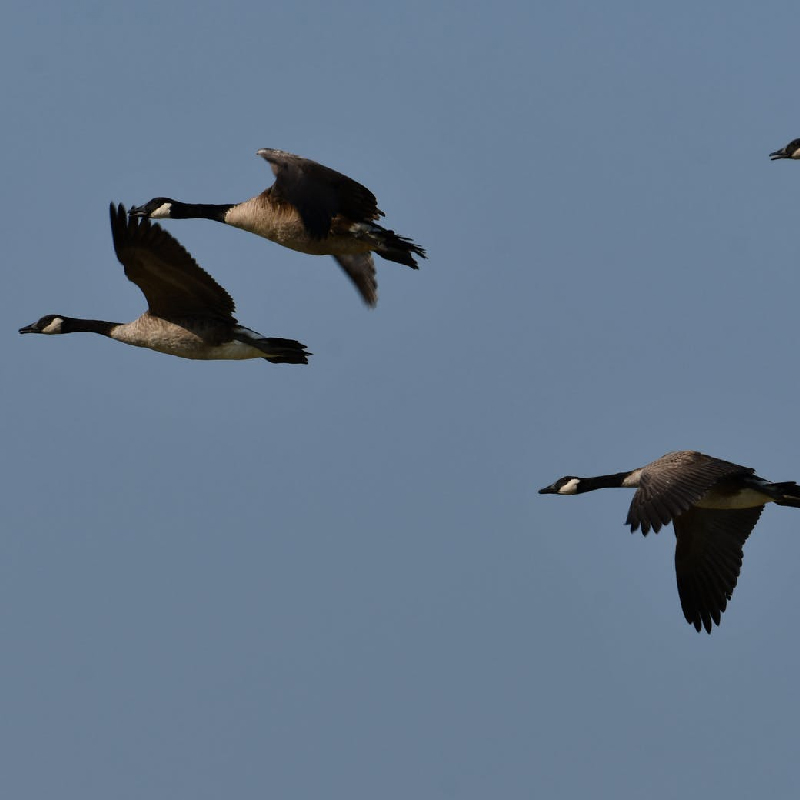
{"points": [[792, 150], [189, 314], [713, 506], [310, 208]]}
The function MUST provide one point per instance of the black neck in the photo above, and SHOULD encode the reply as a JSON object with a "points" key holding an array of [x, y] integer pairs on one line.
{"points": [[199, 210], [602, 482], [72, 325]]}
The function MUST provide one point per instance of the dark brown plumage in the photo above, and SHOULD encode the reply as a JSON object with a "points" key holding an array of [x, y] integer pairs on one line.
{"points": [[713, 505], [189, 314], [173, 283], [310, 208]]}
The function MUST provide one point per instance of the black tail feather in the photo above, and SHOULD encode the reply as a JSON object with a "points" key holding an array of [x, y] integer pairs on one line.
{"points": [[280, 351], [399, 249], [787, 494], [275, 349], [284, 351]]}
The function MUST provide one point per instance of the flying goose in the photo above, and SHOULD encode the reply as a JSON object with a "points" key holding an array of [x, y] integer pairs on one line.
{"points": [[310, 208], [189, 314], [713, 506], [792, 150]]}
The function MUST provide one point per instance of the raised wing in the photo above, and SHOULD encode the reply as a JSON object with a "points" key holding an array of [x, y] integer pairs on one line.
{"points": [[708, 557], [318, 192], [673, 484], [163, 269]]}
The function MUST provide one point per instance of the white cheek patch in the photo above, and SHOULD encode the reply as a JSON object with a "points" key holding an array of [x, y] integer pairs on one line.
{"points": [[54, 326], [162, 212], [570, 487]]}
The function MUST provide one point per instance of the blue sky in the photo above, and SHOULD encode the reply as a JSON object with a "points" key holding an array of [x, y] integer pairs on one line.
{"points": [[242, 580]]}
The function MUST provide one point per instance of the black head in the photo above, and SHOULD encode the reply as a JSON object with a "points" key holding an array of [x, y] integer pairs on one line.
{"points": [[157, 208], [49, 324], [569, 484], [792, 150]]}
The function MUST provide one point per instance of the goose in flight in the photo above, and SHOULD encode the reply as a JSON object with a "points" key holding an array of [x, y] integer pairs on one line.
{"points": [[792, 150], [188, 315], [310, 208], [713, 506]]}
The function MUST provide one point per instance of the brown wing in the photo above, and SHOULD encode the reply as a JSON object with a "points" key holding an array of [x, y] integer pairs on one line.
{"points": [[318, 192], [161, 267], [673, 484], [708, 557], [360, 268]]}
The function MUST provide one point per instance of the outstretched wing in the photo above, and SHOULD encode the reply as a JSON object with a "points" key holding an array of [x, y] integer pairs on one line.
{"points": [[162, 268], [708, 557], [318, 192], [673, 484]]}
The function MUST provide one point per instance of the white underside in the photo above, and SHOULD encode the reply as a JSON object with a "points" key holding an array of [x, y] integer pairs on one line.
{"points": [[167, 337], [744, 498]]}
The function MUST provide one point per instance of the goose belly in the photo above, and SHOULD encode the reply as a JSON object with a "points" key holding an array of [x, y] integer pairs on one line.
{"points": [[739, 498], [295, 237], [175, 340], [286, 228]]}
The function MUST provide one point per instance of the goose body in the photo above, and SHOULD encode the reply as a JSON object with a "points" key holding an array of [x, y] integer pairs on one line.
{"points": [[791, 150], [309, 208], [189, 315], [713, 506]]}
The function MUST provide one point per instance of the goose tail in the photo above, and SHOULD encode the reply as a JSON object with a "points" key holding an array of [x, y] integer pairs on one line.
{"points": [[394, 247], [282, 351], [787, 494], [275, 349]]}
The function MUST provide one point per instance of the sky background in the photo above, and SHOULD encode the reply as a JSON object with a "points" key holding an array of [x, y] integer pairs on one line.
{"points": [[243, 580]]}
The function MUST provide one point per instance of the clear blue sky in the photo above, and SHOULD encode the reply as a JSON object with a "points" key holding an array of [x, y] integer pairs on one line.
{"points": [[245, 581]]}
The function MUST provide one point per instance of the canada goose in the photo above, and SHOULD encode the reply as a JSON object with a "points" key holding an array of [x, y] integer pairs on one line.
{"points": [[713, 506], [189, 314], [792, 150], [310, 208]]}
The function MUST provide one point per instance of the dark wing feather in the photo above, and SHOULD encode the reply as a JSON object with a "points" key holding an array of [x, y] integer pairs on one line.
{"points": [[161, 267], [708, 557], [360, 268], [318, 192], [673, 484]]}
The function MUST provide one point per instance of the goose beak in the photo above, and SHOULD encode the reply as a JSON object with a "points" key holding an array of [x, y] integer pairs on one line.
{"points": [[548, 490], [28, 329], [137, 211], [779, 154]]}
